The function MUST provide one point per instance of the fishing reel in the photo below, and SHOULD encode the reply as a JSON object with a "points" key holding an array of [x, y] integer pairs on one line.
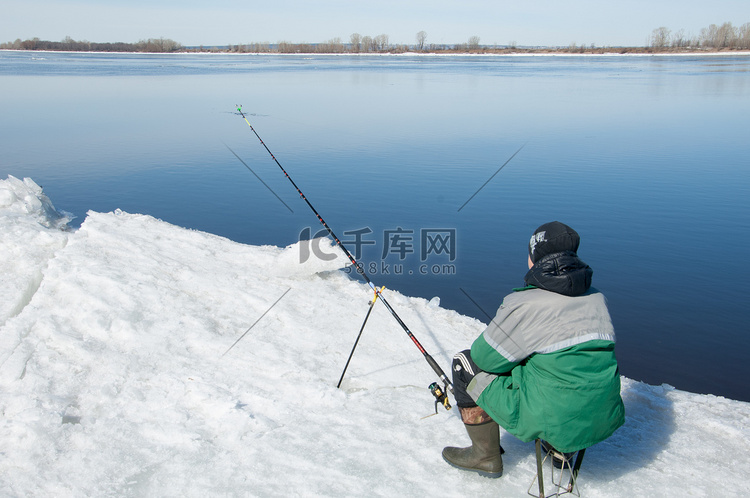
{"points": [[440, 396]]}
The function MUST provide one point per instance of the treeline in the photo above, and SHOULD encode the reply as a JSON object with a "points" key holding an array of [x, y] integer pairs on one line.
{"points": [[71, 45], [356, 44], [359, 44], [715, 37], [375, 44]]}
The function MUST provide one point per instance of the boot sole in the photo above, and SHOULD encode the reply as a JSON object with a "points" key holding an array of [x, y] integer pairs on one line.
{"points": [[483, 473]]}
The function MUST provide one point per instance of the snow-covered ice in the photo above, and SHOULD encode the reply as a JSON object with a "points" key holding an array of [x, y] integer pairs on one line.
{"points": [[114, 381]]}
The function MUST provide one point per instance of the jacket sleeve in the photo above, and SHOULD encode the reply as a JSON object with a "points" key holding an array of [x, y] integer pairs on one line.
{"points": [[488, 359]]}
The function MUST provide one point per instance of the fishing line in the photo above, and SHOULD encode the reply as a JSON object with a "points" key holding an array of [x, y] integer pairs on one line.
{"points": [[490, 178], [259, 178], [256, 322]]}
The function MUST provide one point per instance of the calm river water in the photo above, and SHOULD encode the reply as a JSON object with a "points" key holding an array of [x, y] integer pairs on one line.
{"points": [[647, 157]]}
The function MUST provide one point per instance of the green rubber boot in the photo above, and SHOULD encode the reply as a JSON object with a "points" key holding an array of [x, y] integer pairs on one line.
{"points": [[483, 456]]}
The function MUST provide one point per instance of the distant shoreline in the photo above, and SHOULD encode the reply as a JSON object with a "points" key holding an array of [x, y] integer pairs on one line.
{"points": [[629, 52], [713, 39]]}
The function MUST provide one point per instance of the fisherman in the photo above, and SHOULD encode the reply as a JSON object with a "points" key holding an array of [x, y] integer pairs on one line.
{"points": [[545, 367]]}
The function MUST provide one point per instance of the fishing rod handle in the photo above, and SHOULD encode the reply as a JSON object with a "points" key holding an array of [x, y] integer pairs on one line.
{"points": [[439, 371]]}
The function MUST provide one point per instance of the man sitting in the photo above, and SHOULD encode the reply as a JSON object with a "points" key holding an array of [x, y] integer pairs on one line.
{"points": [[545, 367]]}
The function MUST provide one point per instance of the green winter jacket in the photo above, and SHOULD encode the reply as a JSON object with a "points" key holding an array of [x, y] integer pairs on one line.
{"points": [[549, 368]]}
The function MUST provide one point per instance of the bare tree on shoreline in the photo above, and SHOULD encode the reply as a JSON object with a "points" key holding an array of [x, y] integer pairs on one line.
{"points": [[355, 42], [421, 38]]}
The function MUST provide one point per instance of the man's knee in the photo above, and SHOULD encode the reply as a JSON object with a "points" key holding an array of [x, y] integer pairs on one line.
{"points": [[464, 370]]}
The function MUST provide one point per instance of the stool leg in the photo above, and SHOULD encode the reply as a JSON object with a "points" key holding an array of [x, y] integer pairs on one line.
{"points": [[576, 468], [539, 474]]}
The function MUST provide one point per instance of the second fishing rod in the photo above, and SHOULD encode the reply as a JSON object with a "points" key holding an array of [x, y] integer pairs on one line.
{"points": [[378, 292]]}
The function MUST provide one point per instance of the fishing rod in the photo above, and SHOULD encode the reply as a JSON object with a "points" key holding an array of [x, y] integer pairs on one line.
{"points": [[378, 292]]}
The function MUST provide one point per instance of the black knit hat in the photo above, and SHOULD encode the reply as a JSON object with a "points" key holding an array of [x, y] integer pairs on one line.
{"points": [[551, 238]]}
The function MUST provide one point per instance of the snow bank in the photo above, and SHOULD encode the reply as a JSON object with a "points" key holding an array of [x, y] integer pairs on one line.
{"points": [[27, 242], [114, 379]]}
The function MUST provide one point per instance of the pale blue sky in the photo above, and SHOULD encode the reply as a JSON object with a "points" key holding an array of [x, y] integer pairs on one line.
{"points": [[191, 22]]}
